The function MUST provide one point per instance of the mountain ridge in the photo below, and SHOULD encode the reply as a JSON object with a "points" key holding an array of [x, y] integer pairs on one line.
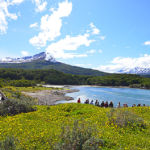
{"points": [[39, 56], [40, 61], [136, 70]]}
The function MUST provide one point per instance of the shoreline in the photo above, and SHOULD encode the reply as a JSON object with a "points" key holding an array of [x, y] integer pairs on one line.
{"points": [[69, 86], [50, 97], [142, 88]]}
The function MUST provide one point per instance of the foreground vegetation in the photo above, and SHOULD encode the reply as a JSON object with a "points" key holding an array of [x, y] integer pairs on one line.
{"points": [[26, 78], [51, 126], [15, 102]]}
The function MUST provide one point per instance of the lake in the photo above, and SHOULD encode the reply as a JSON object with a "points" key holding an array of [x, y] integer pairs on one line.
{"points": [[128, 96]]}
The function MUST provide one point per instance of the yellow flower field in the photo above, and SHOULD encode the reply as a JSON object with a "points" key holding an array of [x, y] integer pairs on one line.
{"points": [[41, 129]]}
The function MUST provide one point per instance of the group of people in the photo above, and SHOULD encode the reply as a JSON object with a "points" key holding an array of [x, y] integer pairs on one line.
{"points": [[102, 104], [106, 104]]}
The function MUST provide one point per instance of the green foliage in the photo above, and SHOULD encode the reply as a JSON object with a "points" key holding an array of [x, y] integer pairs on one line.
{"points": [[8, 144], [22, 83], [116, 80], [13, 107], [19, 77], [26, 78], [42, 64], [16, 103], [124, 118], [79, 137]]}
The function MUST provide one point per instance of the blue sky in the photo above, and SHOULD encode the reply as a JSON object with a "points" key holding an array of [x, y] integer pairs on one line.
{"points": [[102, 34]]}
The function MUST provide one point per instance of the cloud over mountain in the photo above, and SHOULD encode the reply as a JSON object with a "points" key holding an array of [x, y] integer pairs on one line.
{"points": [[126, 64]]}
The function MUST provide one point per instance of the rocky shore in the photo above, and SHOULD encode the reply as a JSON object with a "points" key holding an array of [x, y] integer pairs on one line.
{"points": [[49, 97]]}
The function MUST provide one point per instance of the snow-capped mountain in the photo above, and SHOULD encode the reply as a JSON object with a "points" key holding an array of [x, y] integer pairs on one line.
{"points": [[139, 70], [136, 70], [40, 56]]}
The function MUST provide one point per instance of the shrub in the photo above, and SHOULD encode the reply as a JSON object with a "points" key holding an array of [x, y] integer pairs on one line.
{"points": [[13, 107], [124, 118], [79, 137], [8, 144]]}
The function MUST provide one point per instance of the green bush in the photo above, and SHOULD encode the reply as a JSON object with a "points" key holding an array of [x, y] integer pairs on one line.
{"points": [[8, 144], [13, 107], [124, 118], [79, 137]]}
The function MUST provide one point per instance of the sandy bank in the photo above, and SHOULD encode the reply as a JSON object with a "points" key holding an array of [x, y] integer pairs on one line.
{"points": [[49, 97]]}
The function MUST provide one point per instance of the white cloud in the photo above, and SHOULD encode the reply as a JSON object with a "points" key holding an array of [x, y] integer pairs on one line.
{"points": [[147, 43], [40, 5], [24, 53], [34, 25], [15, 2], [51, 25], [5, 14], [58, 49], [95, 30], [126, 63], [92, 51]]}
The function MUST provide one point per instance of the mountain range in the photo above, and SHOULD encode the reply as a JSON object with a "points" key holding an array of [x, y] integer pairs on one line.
{"points": [[40, 61], [136, 70], [40, 56]]}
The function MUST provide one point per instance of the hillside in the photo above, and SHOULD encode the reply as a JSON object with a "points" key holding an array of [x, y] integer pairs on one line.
{"points": [[42, 129], [22, 77], [39, 61]]}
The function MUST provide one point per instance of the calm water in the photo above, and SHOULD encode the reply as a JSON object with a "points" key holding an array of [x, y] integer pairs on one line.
{"points": [[122, 95]]}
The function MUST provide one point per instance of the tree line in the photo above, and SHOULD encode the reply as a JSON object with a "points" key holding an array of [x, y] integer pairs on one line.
{"points": [[21, 77]]}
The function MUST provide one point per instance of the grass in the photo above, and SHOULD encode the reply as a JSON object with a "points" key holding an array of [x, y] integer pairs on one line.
{"points": [[29, 89], [41, 129]]}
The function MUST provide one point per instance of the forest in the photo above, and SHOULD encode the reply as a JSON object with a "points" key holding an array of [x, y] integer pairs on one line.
{"points": [[21, 77]]}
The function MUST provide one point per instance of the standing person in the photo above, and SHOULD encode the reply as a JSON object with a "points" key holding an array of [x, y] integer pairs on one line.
{"points": [[91, 102], [102, 104], [106, 104], [96, 103], [88, 101], [111, 104], [118, 106], [79, 101]]}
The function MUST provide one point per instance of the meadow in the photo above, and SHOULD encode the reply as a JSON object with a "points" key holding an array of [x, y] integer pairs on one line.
{"points": [[41, 129]]}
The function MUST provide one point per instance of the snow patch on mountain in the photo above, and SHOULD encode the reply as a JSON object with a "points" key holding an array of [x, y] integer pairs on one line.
{"points": [[40, 56], [136, 70]]}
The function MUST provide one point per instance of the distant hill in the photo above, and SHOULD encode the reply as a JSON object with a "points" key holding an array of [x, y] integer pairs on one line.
{"points": [[39, 61]]}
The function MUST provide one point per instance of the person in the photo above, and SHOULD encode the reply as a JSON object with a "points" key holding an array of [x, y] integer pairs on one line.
{"points": [[79, 101], [111, 104], [118, 106], [106, 104], [125, 105], [86, 101], [134, 105], [138, 105], [96, 103], [91, 102], [102, 104]]}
